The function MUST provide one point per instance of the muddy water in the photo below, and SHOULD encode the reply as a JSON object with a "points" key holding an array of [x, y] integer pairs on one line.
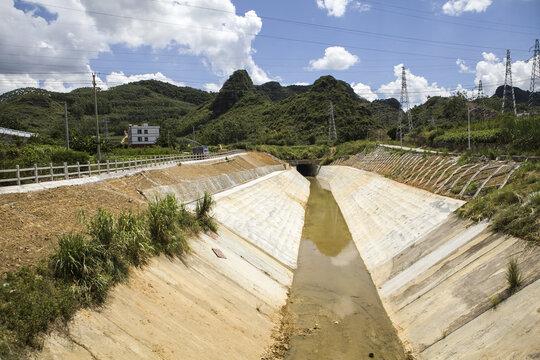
{"points": [[337, 312]]}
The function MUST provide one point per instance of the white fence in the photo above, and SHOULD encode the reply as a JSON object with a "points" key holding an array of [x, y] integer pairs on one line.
{"points": [[52, 172]]}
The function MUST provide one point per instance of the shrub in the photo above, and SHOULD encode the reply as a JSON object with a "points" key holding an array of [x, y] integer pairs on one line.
{"points": [[202, 213], [164, 224], [79, 262], [30, 300], [513, 275], [132, 232]]}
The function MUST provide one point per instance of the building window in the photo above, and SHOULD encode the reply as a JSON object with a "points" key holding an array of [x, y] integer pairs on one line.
{"points": [[146, 131], [145, 139], [139, 138], [139, 131]]}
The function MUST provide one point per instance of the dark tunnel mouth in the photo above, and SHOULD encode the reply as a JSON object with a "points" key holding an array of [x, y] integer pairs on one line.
{"points": [[307, 169]]}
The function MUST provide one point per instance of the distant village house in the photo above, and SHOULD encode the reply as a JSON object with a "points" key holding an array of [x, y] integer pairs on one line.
{"points": [[142, 135]]}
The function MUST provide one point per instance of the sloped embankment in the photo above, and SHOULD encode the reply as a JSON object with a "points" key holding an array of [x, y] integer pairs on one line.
{"points": [[438, 276], [204, 306]]}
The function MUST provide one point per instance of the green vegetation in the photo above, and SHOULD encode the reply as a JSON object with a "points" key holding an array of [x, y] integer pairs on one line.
{"points": [[513, 275], [513, 209], [86, 265]]}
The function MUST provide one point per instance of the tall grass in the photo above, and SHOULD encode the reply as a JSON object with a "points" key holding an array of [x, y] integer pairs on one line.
{"points": [[85, 266], [202, 213], [164, 219], [513, 275]]}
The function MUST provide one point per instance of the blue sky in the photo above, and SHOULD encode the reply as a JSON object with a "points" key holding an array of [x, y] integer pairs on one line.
{"points": [[445, 45]]}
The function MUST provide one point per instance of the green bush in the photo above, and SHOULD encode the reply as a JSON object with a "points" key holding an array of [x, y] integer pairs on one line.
{"points": [[80, 262], [513, 275], [202, 213], [164, 217], [132, 232], [29, 301]]}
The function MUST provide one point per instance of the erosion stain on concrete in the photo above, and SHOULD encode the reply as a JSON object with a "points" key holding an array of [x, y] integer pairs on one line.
{"points": [[338, 314]]}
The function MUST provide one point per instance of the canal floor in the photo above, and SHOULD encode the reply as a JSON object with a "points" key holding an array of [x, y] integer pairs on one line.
{"points": [[335, 306]]}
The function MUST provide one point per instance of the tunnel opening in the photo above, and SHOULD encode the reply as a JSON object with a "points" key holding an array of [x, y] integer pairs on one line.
{"points": [[308, 169]]}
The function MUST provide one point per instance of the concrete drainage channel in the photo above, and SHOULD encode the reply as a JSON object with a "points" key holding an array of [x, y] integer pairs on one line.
{"points": [[434, 274]]}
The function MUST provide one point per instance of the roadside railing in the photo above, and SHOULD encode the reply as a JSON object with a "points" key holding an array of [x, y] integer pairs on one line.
{"points": [[37, 174]]}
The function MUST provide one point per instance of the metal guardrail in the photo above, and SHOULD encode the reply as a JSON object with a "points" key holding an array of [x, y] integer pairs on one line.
{"points": [[37, 174]]}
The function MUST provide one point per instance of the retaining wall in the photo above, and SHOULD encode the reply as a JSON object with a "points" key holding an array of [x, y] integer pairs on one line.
{"points": [[439, 276]]}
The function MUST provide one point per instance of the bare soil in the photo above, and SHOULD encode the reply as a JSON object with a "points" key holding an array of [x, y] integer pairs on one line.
{"points": [[30, 223]]}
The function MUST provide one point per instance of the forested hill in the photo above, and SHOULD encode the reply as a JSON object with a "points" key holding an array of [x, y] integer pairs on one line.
{"points": [[239, 112]]}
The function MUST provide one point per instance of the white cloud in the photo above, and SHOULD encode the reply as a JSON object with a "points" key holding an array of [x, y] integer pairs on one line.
{"points": [[63, 48], [463, 68], [335, 8], [302, 83], [364, 91], [361, 7], [119, 78], [10, 82], [418, 87], [458, 7], [492, 71], [212, 87], [335, 58]]}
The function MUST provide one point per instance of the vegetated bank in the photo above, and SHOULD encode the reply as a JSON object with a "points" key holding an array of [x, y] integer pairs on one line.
{"points": [[85, 266]]}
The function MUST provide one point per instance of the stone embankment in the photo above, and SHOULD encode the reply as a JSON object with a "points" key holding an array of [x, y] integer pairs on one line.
{"points": [[439, 277]]}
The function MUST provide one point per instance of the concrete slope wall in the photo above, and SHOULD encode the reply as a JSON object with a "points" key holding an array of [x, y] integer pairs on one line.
{"points": [[438, 276], [193, 189], [269, 214], [438, 173], [202, 307]]}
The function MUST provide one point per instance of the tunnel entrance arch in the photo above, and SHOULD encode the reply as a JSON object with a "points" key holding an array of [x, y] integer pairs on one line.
{"points": [[306, 167]]}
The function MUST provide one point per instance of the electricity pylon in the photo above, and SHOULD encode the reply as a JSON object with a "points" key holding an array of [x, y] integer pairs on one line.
{"points": [[508, 81], [332, 134]]}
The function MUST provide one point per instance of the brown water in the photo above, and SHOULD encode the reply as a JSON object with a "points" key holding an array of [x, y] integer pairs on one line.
{"points": [[336, 308]]}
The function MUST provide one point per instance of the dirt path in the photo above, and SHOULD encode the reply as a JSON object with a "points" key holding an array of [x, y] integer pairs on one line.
{"points": [[30, 223]]}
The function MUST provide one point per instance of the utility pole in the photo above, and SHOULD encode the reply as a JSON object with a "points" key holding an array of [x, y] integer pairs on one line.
{"points": [[193, 132], [67, 130], [332, 134], [106, 119], [469, 127], [97, 120], [481, 97], [508, 80], [535, 73], [168, 139]]}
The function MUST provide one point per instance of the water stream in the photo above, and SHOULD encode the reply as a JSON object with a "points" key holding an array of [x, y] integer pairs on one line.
{"points": [[337, 311]]}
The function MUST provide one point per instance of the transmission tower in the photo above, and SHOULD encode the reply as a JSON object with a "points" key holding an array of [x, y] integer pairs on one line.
{"points": [[508, 81], [535, 73], [404, 101], [332, 134], [481, 97]]}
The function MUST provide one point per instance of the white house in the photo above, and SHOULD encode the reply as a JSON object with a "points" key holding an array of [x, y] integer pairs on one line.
{"points": [[142, 135]]}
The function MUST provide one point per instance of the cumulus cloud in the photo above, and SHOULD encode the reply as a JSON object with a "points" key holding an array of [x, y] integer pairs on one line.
{"points": [[302, 83], [335, 8], [458, 7], [364, 91], [119, 78], [492, 70], [335, 58], [212, 87], [418, 87], [462, 67], [77, 32]]}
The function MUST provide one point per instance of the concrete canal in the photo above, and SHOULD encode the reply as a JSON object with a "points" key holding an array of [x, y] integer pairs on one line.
{"points": [[336, 308]]}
